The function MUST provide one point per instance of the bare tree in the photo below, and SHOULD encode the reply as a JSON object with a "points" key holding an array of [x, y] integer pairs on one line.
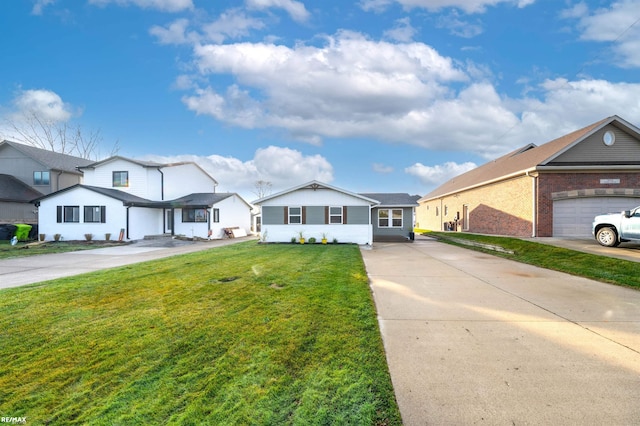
{"points": [[62, 137], [262, 188]]}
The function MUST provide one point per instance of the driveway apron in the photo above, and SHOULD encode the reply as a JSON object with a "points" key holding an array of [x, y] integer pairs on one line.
{"points": [[472, 338]]}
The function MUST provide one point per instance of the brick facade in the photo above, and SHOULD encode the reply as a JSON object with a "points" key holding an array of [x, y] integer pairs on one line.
{"points": [[506, 207]]}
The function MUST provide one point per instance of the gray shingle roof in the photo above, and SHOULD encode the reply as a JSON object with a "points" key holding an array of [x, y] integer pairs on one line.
{"points": [[50, 159], [14, 190], [396, 199], [518, 161]]}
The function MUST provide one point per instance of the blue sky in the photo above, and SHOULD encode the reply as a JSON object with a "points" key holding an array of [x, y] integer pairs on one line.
{"points": [[369, 95]]}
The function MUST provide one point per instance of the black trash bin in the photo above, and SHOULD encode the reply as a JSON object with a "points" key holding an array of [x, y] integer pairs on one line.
{"points": [[7, 231]]}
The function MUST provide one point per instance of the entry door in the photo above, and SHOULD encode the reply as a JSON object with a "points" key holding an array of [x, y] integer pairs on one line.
{"points": [[168, 222]]}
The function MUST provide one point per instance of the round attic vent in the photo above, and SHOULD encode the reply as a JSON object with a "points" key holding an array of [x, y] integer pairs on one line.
{"points": [[609, 138]]}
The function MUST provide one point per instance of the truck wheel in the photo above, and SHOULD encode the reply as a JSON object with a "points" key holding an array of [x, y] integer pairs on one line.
{"points": [[607, 237]]}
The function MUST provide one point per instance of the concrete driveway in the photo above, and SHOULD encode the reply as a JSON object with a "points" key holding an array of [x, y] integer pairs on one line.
{"points": [[27, 270], [475, 339]]}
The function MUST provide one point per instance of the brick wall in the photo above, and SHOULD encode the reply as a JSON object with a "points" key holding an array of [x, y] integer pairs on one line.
{"points": [[548, 183], [504, 208]]}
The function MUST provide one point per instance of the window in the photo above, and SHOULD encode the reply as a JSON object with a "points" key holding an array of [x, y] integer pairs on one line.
{"points": [[216, 215], [396, 218], [335, 215], [68, 214], [295, 214], [194, 215], [41, 178], [120, 179], [390, 218], [383, 218], [94, 214]]}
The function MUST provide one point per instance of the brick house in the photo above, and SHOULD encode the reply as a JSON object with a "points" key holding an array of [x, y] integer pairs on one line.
{"points": [[554, 189]]}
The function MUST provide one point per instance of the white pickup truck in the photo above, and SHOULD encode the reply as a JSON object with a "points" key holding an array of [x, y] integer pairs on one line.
{"points": [[613, 228]]}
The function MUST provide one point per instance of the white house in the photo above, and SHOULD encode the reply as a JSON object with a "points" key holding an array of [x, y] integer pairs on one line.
{"points": [[131, 199], [318, 210]]}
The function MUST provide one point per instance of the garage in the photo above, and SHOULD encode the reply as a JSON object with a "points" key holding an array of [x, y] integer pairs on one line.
{"points": [[573, 217]]}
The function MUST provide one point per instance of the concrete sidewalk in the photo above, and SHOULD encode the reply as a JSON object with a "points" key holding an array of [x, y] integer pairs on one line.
{"points": [[27, 270], [475, 339]]}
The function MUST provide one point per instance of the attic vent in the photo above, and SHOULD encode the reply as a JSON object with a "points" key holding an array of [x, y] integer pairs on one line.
{"points": [[524, 149], [314, 186]]}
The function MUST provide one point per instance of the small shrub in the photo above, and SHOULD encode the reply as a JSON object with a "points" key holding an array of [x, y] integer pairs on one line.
{"points": [[293, 240], [88, 237], [57, 237], [312, 240], [335, 241]]}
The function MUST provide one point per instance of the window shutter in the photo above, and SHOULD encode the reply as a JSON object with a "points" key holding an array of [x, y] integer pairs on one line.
{"points": [[344, 215], [304, 215], [326, 215], [103, 214], [59, 214], [286, 215]]}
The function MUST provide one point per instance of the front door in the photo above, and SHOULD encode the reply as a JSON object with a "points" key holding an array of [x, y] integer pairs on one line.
{"points": [[168, 221]]}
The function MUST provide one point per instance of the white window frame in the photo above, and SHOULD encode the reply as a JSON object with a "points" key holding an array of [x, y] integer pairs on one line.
{"points": [[295, 215], [390, 218], [338, 216]]}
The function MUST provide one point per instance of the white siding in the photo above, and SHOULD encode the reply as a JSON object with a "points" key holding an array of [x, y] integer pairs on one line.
{"points": [[358, 234], [139, 178], [185, 179], [233, 213], [47, 216], [320, 197]]}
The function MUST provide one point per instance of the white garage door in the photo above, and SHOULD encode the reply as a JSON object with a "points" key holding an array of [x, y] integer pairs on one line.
{"points": [[573, 217]]}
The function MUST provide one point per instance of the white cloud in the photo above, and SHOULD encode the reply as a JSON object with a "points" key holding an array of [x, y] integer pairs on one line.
{"points": [[617, 24], [402, 31], [295, 9], [175, 33], [283, 167], [232, 24], [39, 6], [46, 104], [381, 168], [458, 26], [437, 175], [162, 5], [468, 6]]}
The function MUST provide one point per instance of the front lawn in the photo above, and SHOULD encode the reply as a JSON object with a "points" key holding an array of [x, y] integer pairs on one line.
{"points": [[32, 248], [242, 334]]}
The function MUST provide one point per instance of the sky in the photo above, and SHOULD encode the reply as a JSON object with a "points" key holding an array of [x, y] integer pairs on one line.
{"points": [[368, 95]]}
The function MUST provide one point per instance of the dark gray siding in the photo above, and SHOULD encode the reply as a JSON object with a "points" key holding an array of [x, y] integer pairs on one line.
{"points": [[593, 151], [407, 224]]}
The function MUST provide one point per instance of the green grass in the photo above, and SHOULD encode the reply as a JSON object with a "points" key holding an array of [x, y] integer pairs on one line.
{"points": [[243, 334], [601, 268], [23, 249]]}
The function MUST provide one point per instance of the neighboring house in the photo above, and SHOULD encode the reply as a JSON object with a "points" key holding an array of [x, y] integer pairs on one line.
{"points": [[40, 170], [554, 189], [318, 210], [132, 199]]}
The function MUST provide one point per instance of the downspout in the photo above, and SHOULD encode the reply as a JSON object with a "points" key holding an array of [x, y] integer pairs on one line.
{"points": [[127, 224], [441, 215], [534, 205], [161, 184]]}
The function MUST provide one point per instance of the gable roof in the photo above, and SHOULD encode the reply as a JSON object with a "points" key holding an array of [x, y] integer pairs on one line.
{"points": [[195, 200], [523, 160], [13, 189], [394, 199], [148, 164], [315, 185], [52, 160]]}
